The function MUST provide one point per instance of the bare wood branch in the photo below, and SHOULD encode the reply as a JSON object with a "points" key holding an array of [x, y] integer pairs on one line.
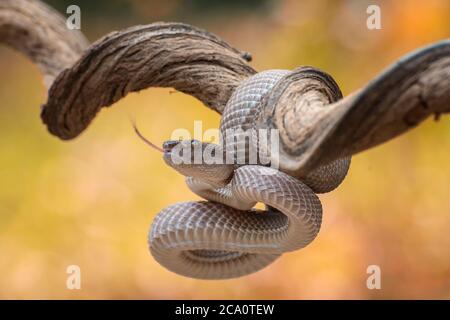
{"points": [[174, 55], [40, 32], [157, 55], [297, 105], [313, 132], [415, 87], [316, 125]]}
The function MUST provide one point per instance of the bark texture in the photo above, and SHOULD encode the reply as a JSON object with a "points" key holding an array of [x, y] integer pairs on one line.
{"points": [[40, 33], [316, 125], [157, 55], [414, 88]]}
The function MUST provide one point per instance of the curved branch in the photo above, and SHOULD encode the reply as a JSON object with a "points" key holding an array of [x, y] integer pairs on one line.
{"points": [[412, 89], [297, 106], [314, 128], [157, 55], [175, 55], [40, 33], [415, 87]]}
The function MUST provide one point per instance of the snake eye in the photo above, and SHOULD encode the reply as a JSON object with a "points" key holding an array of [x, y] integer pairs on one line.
{"points": [[169, 145]]}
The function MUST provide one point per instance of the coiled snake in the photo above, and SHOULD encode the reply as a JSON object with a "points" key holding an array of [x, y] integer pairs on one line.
{"points": [[224, 237]]}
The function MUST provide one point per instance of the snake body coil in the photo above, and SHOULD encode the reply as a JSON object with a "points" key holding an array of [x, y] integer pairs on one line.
{"points": [[225, 237]]}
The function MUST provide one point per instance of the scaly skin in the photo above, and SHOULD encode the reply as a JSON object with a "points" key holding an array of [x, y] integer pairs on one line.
{"points": [[225, 237]]}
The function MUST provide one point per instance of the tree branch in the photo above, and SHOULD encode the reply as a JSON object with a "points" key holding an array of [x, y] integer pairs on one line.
{"points": [[157, 55], [40, 33], [175, 55], [316, 126], [314, 132]]}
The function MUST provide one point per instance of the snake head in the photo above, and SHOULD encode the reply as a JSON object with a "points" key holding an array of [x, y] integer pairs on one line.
{"points": [[184, 153], [181, 145], [193, 158]]}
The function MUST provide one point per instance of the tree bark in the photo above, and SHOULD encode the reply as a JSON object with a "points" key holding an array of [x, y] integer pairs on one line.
{"points": [[316, 125], [40, 33], [315, 131], [157, 55]]}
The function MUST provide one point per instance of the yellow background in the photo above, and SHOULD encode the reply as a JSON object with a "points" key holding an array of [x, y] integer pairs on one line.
{"points": [[90, 201]]}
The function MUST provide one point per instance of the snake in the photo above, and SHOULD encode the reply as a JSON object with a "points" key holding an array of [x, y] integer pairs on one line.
{"points": [[225, 236]]}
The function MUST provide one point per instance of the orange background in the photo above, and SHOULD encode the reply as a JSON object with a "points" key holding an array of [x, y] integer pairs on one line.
{"points": [[90, 201]]}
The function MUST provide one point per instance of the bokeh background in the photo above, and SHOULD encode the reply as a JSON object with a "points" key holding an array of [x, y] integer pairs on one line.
{"points": [[90, 201]]}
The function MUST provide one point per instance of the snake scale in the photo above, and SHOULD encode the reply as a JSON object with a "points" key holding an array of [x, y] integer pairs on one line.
{"points": [[225, 237]]}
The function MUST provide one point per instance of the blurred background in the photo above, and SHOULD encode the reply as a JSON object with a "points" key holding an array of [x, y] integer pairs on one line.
{"points": [[90, 201]]}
